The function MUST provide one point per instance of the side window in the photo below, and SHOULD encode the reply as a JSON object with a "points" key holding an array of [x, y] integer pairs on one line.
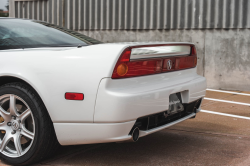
{"points": [[21, 32], [4, 36], [4, 33]]}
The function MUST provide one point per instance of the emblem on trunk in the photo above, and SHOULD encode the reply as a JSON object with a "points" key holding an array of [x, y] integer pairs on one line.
{"points": [[169, 64]]}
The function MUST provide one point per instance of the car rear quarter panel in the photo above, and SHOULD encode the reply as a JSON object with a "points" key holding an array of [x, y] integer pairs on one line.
{"points": [[52, 73]]}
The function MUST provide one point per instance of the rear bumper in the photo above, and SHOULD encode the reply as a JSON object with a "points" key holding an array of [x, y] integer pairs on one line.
{"points": [[89, 133], [125, 100], [121, 103]]}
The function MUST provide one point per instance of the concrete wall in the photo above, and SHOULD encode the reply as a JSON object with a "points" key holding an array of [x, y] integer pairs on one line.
{"points": [[227, 59], [223, 55], [219, 28]]}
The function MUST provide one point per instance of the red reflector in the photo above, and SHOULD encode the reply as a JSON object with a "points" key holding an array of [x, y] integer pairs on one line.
{"points": [[74, 96]]}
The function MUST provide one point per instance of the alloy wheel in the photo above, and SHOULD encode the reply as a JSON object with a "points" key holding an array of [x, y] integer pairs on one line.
{"points": [[17, 126]]}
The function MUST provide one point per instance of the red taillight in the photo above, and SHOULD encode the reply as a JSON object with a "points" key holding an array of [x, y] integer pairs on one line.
{"points": [[125, 55], [126, 68], [139, 68], [74, 96]]}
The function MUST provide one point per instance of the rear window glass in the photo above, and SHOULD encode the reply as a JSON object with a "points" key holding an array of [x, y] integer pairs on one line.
{"points": [[17, 33]]}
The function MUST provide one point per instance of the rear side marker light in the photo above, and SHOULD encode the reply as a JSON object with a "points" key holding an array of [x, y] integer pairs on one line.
{"points": [[126, 68], [74, 96]]}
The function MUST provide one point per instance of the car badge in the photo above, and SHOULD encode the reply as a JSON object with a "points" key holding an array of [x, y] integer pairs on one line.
{"points": [[169, 64]]}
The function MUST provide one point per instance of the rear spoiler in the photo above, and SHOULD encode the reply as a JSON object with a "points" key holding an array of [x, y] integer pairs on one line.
{"points": [[154, 51]]}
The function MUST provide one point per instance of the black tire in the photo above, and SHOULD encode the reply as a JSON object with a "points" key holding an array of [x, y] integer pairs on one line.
{"points": [[45, 142]]}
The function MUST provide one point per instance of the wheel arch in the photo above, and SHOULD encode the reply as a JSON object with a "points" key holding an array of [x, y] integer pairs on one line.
{"points": [[11, 79], [47, 143]]}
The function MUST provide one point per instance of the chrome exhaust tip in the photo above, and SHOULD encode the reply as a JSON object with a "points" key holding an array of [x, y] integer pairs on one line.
{"points": [[135, 134]]}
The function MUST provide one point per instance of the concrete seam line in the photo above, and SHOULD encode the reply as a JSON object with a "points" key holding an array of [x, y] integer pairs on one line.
{"points": [[230, 115], [226, 101], [235, 93]]}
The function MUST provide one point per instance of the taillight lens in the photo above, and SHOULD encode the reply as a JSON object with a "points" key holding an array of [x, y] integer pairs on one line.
{"points": [[126, 68]]}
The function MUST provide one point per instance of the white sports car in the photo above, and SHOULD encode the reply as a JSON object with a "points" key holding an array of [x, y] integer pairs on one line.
{"points": [[60, 87]]}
